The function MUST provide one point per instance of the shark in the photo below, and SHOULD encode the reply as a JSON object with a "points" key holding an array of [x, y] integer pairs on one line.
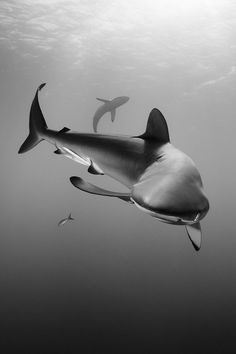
{"points": [[160, 179], [108, 106], [65, 220]]}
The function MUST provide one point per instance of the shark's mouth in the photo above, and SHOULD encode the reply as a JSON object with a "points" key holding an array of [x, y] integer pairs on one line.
{"points": [[169, 219]]}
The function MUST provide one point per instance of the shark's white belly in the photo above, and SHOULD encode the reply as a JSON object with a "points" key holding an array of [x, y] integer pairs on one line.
{"points": [[82, 159]]}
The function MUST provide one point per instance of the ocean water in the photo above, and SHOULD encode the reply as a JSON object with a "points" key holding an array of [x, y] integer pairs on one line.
{"points": [[116, 280]]}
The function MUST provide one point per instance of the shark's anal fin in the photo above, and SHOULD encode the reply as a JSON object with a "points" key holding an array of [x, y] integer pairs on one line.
{"points": [[102, 100], [113, 114], [195, 235], [92, 189], [63, 130], [94, 169]]}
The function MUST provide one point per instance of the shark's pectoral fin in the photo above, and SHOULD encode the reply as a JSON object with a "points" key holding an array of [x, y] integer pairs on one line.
{"points": [[113, 114], [94, 169], [195, 235], [92, 189]]}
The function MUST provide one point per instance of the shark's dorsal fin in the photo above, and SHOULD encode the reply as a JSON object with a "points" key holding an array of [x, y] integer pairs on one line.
{"points": [[102, 100], [195, 235], [92, 189], [156, 127]]}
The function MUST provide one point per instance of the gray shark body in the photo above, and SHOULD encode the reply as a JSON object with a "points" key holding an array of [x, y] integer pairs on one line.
{"points": [[108, 106], [161, 180]]}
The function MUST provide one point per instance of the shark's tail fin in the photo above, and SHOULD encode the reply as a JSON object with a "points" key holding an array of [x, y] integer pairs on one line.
{"points": [[37, 125]]}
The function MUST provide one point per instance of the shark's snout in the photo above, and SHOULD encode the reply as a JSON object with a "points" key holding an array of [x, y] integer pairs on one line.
{"points": [[125, 99], [187, 203]]}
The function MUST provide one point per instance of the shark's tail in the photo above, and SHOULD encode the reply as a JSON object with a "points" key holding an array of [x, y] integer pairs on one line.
{"points": [[37, 125]]}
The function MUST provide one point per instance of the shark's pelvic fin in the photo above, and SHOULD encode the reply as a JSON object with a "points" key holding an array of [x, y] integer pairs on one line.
{"points": [[92, 189], [195, 235], [102, 100], [58, 151], [113, 114], [94, 169], [156, 127]]}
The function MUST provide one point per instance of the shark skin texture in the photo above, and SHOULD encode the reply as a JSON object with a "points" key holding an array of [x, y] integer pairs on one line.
{"points": [[108, 106], [161, 180]]}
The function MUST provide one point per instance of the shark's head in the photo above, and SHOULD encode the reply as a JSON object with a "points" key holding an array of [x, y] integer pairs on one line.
{"points": [[118, 101], [172, 193]]}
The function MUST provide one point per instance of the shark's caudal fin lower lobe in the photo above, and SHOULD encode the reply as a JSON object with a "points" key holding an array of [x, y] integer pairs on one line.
{"points": [[37, 125]]}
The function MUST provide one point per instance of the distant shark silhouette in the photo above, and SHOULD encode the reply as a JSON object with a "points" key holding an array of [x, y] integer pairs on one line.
{"points": [[64, 221], [108, 106], [162, 180]]}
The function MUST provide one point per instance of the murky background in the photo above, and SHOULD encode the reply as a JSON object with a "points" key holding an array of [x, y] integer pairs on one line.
{"points": [[116, 280]]}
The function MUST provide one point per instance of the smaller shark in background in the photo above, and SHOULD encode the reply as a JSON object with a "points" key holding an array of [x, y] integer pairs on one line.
{"points": [[108, 106], [64, 221]]}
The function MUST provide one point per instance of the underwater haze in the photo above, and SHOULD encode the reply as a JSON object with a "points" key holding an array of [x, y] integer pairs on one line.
{"points": [[115, 280]]}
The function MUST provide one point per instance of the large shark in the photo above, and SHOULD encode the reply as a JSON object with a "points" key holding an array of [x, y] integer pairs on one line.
{"points": [[161, 180], [108, 106]]}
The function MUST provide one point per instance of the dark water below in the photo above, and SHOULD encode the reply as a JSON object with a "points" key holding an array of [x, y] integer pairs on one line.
{"points": [[115, 280]]}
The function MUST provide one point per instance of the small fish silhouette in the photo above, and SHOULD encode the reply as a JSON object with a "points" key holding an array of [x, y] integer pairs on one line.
{"points": [[64, 221]]}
